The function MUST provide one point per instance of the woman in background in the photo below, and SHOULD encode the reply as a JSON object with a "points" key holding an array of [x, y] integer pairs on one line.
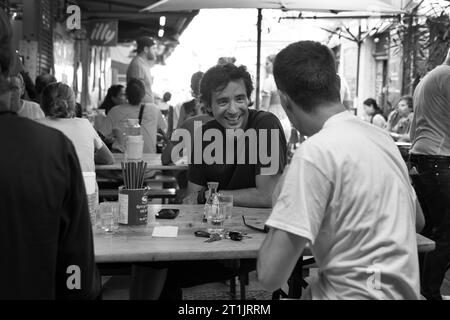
{"points": [[114, 97], [399, 120], [271, 100], [58, 103], [374, 114]]}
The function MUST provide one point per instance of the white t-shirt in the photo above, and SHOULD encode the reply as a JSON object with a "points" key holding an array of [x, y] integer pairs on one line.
{"points": [[151, 120], [347, 191], [30, 110], [83, 136]]}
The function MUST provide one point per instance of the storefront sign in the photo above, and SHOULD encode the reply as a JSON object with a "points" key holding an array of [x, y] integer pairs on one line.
{"points": [[103, 33]]}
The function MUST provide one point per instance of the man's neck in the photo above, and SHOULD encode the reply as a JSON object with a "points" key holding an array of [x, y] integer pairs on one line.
{"points": [[322, 114]]}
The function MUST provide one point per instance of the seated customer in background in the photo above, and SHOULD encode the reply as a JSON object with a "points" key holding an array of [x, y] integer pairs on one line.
{"points": [[346, 192], [25, 108], [225, 92], [41, 82], [399, 120], [114, 97], [45, 232], [190, 108], [58, 102], [150, 118], [373, 113]]}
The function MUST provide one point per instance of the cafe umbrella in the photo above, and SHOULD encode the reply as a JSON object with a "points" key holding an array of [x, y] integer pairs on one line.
{"points": [[333, 6]]}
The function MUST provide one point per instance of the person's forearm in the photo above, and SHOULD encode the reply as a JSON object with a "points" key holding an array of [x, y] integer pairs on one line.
{"points": [[251, 197], [104, 156]]}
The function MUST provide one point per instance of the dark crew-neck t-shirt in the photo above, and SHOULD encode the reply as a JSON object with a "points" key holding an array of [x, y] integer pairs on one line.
{"points": [[236, 176]]}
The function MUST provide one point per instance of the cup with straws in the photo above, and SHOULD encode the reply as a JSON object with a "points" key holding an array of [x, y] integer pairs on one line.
{"points": [[133, 196]]}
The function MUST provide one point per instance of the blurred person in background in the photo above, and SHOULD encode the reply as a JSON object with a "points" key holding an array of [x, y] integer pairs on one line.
{"points": [[373, 113], [430, 173], [192, 107], [24, 108], [150, 118], [58, 103], [140, 66], [41, 82], [114, 97], [399, 120], [271, 100]]}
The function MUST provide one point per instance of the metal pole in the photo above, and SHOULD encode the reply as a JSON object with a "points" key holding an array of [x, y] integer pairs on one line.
{"points": [[359, 59], [258, 59]]}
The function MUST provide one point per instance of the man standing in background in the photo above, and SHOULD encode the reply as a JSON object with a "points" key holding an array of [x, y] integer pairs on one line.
{"points": [[140, 66], [430, 155]]}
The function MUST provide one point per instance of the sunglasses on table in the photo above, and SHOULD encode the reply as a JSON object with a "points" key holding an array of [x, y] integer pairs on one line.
{"points": [[264, 230]]}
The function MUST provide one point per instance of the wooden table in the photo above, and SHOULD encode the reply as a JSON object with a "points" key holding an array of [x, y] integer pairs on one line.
{"points": [[136, 244], [153, 161]]}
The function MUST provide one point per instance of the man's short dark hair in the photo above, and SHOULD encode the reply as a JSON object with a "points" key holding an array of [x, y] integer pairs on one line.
{"points": [[218, 77], [306, 71], [42, 81], [135, 91]]}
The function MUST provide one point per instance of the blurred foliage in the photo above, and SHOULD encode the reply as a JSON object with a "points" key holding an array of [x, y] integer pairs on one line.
{"points": [[422, 36]]}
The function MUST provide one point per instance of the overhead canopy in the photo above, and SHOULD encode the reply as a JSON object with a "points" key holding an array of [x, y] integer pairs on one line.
{"points": [[380, 6], [334, 6], [132, 22]]}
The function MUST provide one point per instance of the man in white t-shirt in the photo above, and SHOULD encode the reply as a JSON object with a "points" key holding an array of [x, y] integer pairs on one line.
{"points": [[346, 193]]}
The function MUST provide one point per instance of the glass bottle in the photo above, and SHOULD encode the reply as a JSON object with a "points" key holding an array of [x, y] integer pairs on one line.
{"points": [[134, 142], [212, 200]]}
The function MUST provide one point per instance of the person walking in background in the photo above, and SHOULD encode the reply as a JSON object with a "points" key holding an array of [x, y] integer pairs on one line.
{"points": [[45, 229], [140, 66], [430, 156], [24, 108], [399, 120], [334, 196], [58, 103], [373, 113]]}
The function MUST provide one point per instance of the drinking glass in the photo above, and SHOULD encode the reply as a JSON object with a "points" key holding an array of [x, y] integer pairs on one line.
{"points": [[215, 217], [109, 216], [226, 203]]}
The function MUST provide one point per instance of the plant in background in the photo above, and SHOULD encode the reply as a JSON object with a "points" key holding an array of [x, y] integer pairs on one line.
{"points": [[423, 37]]}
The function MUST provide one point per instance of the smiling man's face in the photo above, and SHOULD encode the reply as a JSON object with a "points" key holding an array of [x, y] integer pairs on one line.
{"points": [[230, 105]]}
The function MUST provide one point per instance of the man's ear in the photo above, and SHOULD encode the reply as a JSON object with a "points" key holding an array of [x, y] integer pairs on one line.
{"points": [[285, 100]]}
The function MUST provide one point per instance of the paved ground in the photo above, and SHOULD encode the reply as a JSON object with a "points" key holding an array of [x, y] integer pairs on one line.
{"points": [[116, 288]]}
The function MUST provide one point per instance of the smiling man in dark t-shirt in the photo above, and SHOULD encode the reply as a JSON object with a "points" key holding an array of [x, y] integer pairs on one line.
{"points": [[250, 147]]}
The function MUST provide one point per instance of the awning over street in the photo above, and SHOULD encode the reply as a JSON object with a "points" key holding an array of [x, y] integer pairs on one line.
{"points": [[133, 23]]}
